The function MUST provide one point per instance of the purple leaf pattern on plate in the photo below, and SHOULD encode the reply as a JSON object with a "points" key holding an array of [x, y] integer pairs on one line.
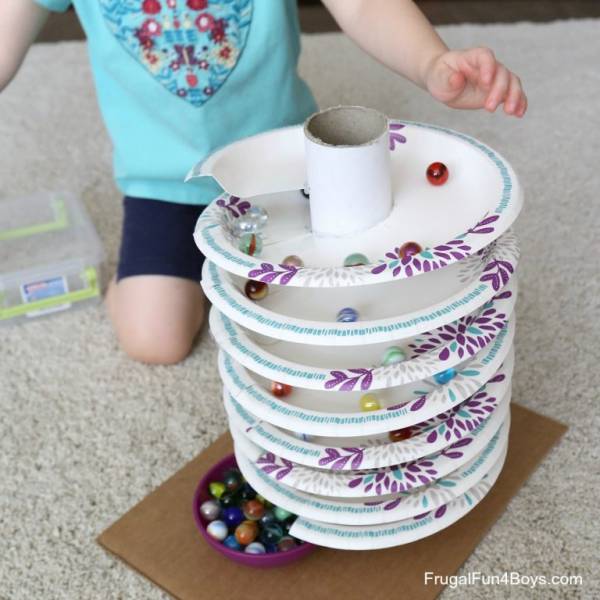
{"points": [[395, 137], [466, 336], [484, 225], [268, 273], [338, 458], [235, 206], [462, 419], [454, 450], [427, 260], [395, 479], [498, 272], [268, 463], [348, 380]]}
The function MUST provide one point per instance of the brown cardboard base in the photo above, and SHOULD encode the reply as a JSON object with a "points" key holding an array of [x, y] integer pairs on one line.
{"points": [[158, 538]]}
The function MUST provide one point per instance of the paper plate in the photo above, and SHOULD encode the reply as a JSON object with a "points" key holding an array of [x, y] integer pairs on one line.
{"points": [[347, 537], [374, 482], [348, 368], [479, 202], [359, 511], [334, 414], [369, 452], [388, 311]]}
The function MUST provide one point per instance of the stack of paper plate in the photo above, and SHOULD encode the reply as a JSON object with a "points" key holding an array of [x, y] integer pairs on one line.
{"points": [[449, 308]]}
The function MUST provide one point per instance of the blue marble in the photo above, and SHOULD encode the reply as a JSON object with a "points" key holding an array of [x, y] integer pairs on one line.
{"points": [[445, 376], [347, 315], [232, 516], [232, 543]]}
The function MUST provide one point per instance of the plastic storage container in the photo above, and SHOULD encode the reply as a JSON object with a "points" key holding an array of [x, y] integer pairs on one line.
{"points": [[50, 256]]}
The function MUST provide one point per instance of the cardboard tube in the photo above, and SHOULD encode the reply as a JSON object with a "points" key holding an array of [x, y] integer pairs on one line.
{"points": [[347, 169]]}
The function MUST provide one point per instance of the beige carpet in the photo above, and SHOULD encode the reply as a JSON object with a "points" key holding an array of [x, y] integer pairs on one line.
{"points": [[85, 433]]}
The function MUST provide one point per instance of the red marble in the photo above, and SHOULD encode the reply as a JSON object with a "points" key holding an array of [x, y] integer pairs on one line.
{"points": [[280, 389], [437, 173]]}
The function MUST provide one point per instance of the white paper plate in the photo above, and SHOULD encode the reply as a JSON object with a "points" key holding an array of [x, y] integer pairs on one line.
{"points": [[371, 452], [374, 482], [479, 202], [388, 311], [334, 414], [346, 368], [359, 511], [347, 537]]}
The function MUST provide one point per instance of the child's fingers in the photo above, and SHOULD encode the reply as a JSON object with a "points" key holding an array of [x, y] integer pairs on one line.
{"points": [[486, 62], [522, 106], [445, 82], [456, 81], [513, 96], [479, 65], [499, 88]]}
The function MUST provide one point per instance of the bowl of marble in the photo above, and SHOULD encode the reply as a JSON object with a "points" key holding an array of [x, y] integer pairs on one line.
{"points": [[262, 560]]}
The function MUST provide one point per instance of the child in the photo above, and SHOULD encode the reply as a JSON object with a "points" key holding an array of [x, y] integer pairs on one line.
{"points": [[177, 79]]}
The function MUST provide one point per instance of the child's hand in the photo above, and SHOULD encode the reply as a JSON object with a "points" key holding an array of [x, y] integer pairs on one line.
{"points": [[475, 79]]}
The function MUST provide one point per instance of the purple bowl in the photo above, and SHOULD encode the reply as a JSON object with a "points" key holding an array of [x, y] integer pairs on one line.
{"points": [[277, 559]]}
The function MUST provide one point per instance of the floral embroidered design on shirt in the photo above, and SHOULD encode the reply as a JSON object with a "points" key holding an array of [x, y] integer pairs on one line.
{"points": [[189, 46]]}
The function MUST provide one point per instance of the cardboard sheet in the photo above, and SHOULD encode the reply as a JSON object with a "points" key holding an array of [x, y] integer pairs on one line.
{"points": [[158, 538]]}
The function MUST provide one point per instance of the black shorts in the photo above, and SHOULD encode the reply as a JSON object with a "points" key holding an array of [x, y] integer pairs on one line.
{"points": [[158, 239]]}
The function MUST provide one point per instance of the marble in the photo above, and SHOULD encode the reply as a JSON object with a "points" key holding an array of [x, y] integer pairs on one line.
{"points": [[253, 510], [286, 544], [271, 534], [356, 259], [267, 518], [437, 173], [258, 215], [217, 530], [241, 226], [246, 492], [253, 221], [369, 402], [246, 532], [255, 548], [281, 514], [232, 543], [281, 390], [228, 499], [293, 261], [409, 249], [210, 510], [399, 435], [232, 479], [232, 516], [251, 244], [256, 290], [347, 315], [445, 376], [216, 489], [393, 355]]}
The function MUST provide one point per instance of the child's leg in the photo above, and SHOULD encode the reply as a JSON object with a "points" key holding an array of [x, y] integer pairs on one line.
{"points": [[156, 303], [156, 317]]}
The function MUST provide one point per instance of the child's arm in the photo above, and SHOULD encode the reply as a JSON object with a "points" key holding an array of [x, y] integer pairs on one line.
{"points": [[397, 34], [20, 23]]}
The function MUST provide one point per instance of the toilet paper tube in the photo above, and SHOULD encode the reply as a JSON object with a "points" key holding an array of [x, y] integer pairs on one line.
{"points": [[347, 169]]}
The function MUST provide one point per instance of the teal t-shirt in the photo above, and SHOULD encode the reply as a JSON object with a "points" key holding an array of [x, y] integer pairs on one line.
{"points": [[178, 79]]}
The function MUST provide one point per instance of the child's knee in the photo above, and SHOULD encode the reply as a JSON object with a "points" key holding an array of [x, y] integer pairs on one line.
{"points": [[156, 318], [152, 343]]}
